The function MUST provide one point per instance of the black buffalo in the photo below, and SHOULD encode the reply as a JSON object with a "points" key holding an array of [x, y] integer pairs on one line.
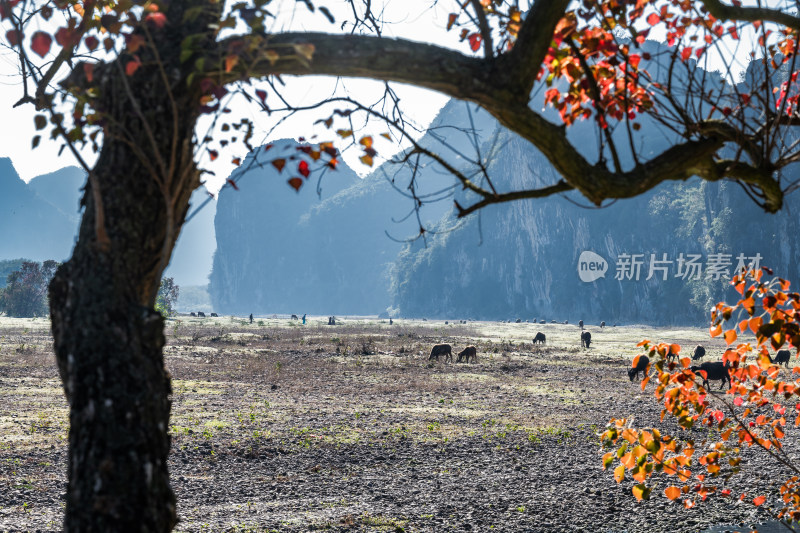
{"points": [[540, 338], [699, 353], [641, 366], [586, 339], [441, 349], [782, 357], [713, 371]]}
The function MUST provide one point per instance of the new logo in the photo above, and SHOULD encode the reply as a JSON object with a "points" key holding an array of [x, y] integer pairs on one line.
{"points": [[591, 266]]}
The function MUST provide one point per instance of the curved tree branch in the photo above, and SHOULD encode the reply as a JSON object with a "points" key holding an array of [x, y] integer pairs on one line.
{"points": [[750, 14]]}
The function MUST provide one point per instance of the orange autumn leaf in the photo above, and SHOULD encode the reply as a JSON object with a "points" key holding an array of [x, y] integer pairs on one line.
{"points": [[672, 492], [730, 336]]}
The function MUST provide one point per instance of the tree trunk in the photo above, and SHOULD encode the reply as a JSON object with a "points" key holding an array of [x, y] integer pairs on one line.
{"points": [[108, 338]]}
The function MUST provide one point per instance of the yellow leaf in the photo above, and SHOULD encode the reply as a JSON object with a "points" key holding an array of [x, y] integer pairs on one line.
{"points": [[272, 56], [305, 49], [640, 492], [366, 159], [230, 62], [619, 473]]}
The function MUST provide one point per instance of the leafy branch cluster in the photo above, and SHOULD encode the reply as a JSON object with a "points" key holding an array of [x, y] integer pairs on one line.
{"points": [[756, 412]]}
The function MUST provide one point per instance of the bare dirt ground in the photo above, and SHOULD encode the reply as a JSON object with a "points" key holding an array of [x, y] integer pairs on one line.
{"points": [[282, 427]]}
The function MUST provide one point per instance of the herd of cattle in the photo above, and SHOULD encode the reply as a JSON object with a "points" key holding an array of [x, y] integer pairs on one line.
{"points": [[445, 350], [709, 371]]}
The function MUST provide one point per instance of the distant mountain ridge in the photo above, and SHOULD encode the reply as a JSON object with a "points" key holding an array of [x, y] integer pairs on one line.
{"points": [[285, 252], [40, 221], [34, 228]]}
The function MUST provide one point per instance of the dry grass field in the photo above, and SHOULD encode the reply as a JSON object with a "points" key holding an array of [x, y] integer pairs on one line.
{"points": [[279, 426]]}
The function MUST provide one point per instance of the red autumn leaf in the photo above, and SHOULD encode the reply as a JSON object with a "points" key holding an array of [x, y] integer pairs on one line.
{"points": [[634, 60], [66, 37], [91, 42], [475, 41], [14, 37], [279, 164], [213, 154], [302, 168], [133, 42], [88, 70], [233, 184], [40, 43], [653, 19], [237, 161], [108, 21], [296, 183], [132, 65], [686, 53], [759, 500], [262, 95], [5, 8], [157, 19]]}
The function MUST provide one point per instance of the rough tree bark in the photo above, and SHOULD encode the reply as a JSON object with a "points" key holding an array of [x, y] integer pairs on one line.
{"points": [[108, 337]]}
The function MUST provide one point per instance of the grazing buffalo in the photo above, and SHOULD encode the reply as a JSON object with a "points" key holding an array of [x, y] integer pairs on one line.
{"points": [[466, 353], [713, 371], [295, 317], [782, 357], [540, 338], [580, 323], [603, 324], [201, 314], [699, 353], [214, 314], [586, 339], [641, 366], [441, 349], [193, 314], [542, 322], [671, 356]]}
